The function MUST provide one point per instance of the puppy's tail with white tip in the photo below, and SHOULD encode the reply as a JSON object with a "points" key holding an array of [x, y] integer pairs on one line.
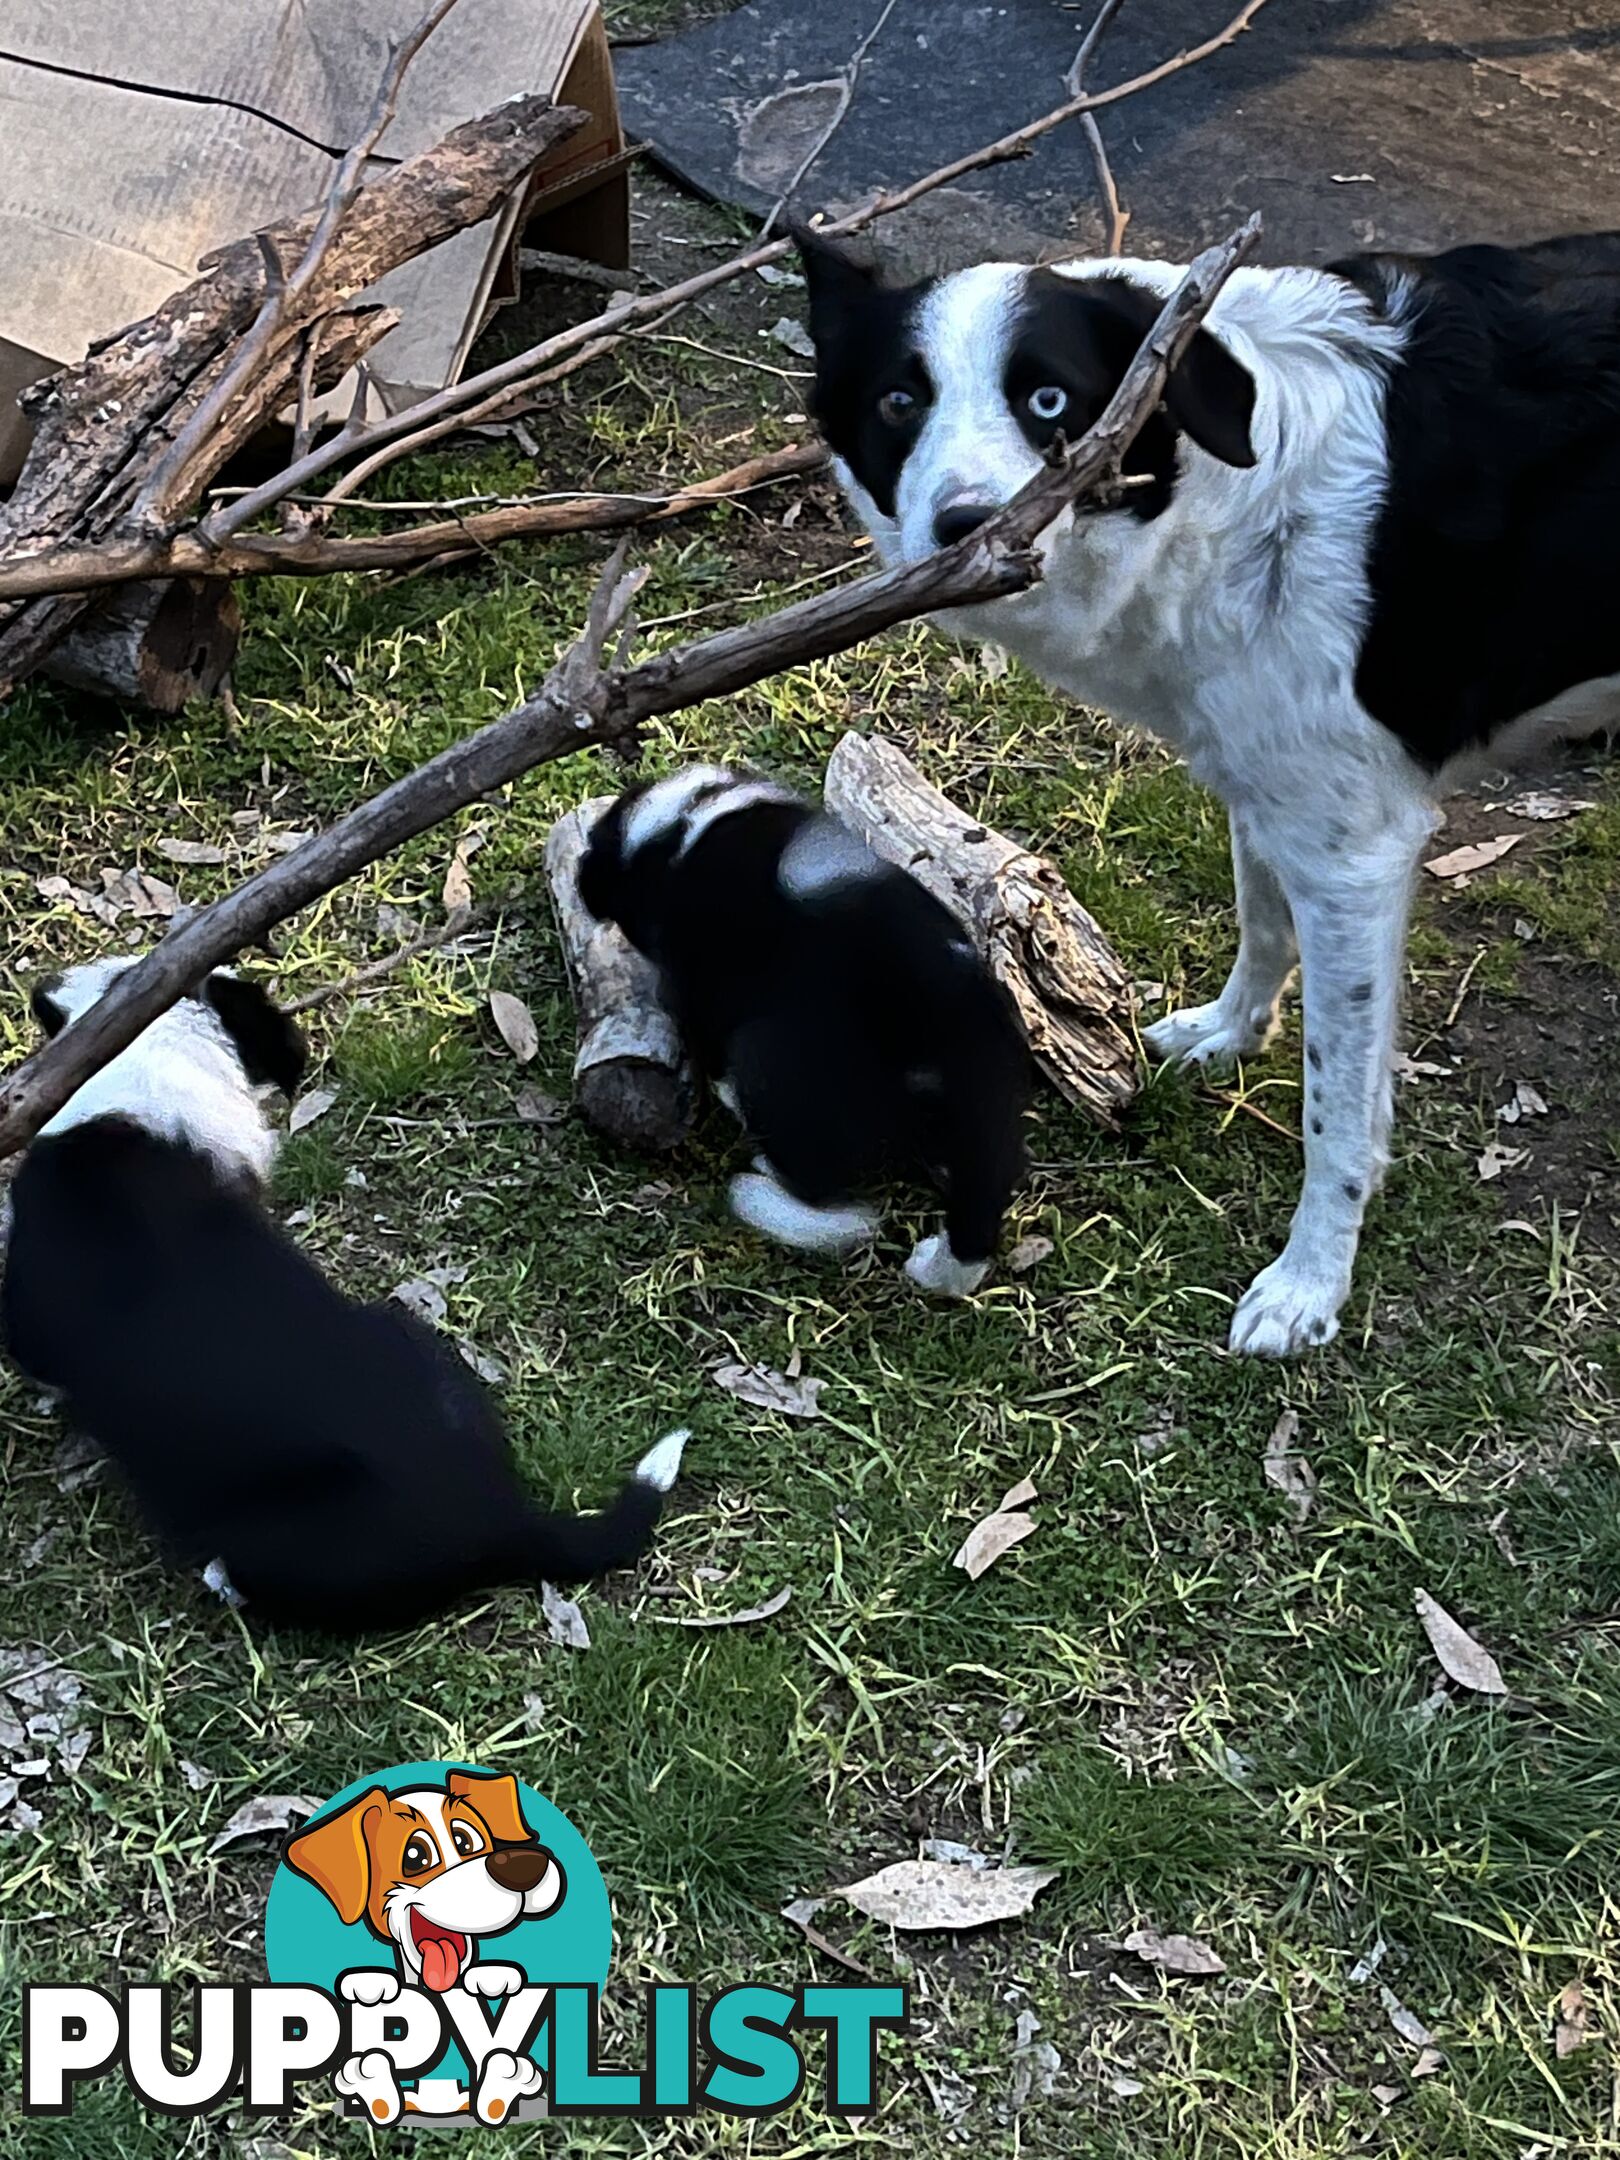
{"points": [[577, 1548]]}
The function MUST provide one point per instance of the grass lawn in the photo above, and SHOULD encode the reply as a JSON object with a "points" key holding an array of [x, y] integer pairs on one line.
{"points": [[1207, 1718]]}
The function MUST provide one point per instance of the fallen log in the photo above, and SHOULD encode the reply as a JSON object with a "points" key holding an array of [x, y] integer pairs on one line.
{"points": [[1070, 991], [633, 1080], [157, 645]]}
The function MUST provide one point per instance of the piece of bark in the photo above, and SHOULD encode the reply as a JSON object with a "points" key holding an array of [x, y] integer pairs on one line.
{"points": [[103, 426], [632, 1077], [1069, 989], [157, 645]]}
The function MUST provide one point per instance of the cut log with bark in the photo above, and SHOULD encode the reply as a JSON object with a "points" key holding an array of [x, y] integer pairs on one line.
{"points": [[156, 645], [633, 1080], [1070, 991], [104, 428]]}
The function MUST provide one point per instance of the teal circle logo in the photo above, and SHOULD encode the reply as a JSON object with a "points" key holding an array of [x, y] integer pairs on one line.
{"points": [[438, 1898]]}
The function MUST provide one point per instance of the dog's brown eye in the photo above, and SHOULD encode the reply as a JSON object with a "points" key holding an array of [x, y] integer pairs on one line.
{"points": [[420, 1853], [464, 1839], [896, 407]]}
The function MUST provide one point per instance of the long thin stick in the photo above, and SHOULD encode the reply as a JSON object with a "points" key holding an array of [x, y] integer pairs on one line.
{"points": [[1115, 218], [849, 76], [524, 369], [282, 292], [581, 703]]}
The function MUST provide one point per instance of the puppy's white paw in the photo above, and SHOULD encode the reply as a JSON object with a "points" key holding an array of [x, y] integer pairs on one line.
{"points": [[661, 1465], [1207, 1035], [215, 1579], [370, 2080], [1289, 1308], [504, 2078], [935, 1268], [493, 1981], [367, 1986]]}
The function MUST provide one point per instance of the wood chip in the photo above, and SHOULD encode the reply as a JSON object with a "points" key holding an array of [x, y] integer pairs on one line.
{"points": [[935, 1894], [1466, 1661], [1288, 1470], [1183, 1955], [768, 1390], [1464, 861], [516, 1025]]}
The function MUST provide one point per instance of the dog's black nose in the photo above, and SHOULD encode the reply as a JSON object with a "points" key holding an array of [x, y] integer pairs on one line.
{"points": [[959, 520], [518, 1867]]}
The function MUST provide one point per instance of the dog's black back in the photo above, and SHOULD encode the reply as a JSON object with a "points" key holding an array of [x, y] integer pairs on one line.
{"points": [[339, 1459], [859, 1030]]}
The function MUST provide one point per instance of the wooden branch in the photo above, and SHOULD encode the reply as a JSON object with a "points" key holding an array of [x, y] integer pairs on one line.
{"points": [[401, 433], [154, 645], [633, 1080], [1115, 218], [579, 704], [1061, 973], [314, 553], [105, 424], [169, 485]]}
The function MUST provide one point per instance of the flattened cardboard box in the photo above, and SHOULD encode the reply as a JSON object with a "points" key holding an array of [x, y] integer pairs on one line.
{"points": [[138, 137]]}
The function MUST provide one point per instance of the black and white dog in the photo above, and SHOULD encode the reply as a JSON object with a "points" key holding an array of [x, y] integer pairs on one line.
{"points": [[336, 1463], [1377, 534], [843, 1016]]}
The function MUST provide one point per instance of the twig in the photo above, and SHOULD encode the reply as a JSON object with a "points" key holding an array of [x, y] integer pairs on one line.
{"points": [[283, 292], [849, 76], [579, 704], [1115, 219], [402, 433], [460, 924]]}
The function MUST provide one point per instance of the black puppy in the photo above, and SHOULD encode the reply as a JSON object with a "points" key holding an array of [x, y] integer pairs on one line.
{"points": [[337, 1463], [840, 1011]]}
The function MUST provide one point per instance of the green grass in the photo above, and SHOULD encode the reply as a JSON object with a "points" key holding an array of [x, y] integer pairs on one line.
{"points": [[1208, 1720]]}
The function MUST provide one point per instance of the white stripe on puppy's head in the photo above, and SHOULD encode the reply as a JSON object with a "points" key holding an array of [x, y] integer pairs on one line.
{"points": [[193, 1074]]}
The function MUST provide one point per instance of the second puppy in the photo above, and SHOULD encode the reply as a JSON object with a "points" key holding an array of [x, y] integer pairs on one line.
{"points": [[841, 1012]]}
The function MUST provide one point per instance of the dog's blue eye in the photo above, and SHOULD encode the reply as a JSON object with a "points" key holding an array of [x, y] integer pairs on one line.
{"points": [[896, 407], [1049, 402]]}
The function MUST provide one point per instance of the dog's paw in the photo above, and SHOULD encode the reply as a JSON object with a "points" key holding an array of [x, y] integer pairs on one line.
{"points": [[368, 1986], [504, 2078], [766, 1206], [1288, 1309], [370, 2080], [935, 1268], [1207, 1035], [493, 1980]]}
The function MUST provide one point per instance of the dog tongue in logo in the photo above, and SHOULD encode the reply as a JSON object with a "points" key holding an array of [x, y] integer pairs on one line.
{"points": [[443, 1953]]}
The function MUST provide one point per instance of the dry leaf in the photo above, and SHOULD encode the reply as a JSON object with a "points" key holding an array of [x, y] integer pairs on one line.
{"points": [[793, 337], [768, 1390], [1544, 808], [998, 1532], [458, 889], [1180, 1954], [564, 1619], [1497, 1158], [423, 1298], [283, 843], [189, 851], [1464, 861], [137, 893], [1289, 1471], [1571, 2025], [771, 1606], [198, 1778], [1037, 2065], [310, 1107], [1429, 2061], [1406, 2022], [801, 1913], [489, 1369], [272, 1811], [1466, 1661], [535, 1107], [516, 1024], [1027, 1253], [1409, 1068], [1527, 1102], [916, 1894]]}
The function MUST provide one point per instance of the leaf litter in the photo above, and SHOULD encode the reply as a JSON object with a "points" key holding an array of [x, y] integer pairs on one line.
{"points": [[923, 1895], [516, 1025], [1463, 1659], [1288, 1470], [1182, 1955], [764, 1389], [270, 1812], [1008, 1525]]}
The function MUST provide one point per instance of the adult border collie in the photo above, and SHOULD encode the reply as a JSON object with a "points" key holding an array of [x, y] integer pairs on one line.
{"points": [[337, 1462], [1377, 534], [845, 1019]]}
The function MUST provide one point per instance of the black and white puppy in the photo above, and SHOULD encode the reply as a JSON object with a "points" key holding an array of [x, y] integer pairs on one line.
{"points": [[1377, 535], [843, 1016], [337, 1463]]}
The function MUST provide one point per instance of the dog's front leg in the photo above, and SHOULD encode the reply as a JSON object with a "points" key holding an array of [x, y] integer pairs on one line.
{"points": [[1350, 913], [1241, 1020]]}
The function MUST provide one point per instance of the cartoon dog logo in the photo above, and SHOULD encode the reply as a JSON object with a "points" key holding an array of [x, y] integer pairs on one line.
{"points": [[433, 1873]]}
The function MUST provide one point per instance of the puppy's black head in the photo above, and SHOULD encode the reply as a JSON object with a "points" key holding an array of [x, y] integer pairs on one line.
{"points": [[269, 1044]]}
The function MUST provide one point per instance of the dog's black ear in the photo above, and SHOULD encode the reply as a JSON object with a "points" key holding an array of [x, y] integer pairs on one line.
{"points": [[43, 1006], [1211, 396], [838, 282], [268, 1043]]}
